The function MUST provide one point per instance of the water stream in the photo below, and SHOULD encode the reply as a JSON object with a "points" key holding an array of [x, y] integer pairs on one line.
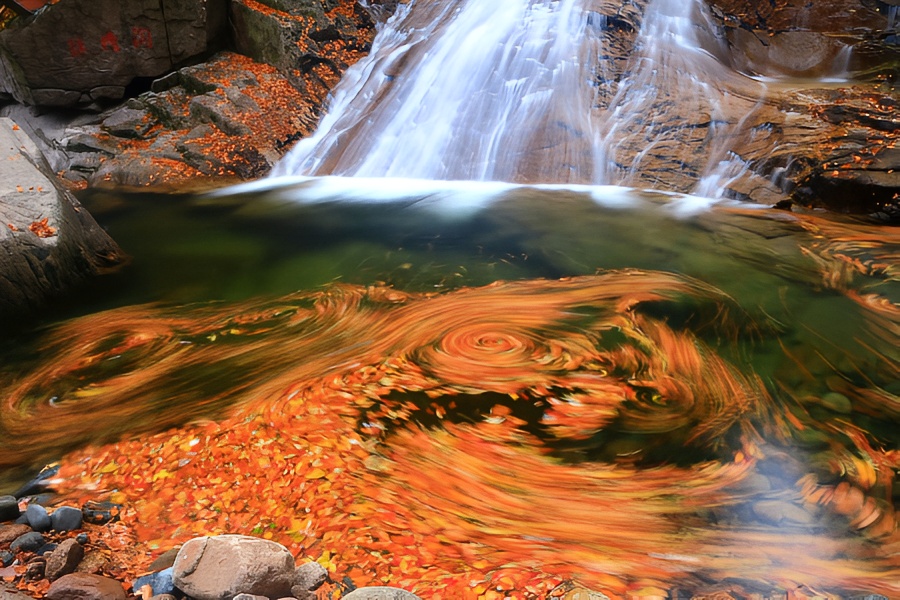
{"points": [[470, 369], [512, 93]]}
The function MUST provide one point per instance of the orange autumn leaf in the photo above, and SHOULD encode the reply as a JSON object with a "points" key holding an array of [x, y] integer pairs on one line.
{"points": [[42, 229]]}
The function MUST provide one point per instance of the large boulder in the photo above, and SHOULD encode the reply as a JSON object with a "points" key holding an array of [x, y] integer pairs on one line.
{"points": [[49, 242], [223, 566], [79, 52]]}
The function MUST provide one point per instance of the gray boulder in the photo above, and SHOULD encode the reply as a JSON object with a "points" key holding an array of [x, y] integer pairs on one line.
{"points": [[83, 51], [49, 242], [223, 566]]}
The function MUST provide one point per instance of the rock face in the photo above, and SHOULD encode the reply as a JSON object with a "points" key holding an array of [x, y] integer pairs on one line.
{"points": [[221, 567], [49, 242], [230, 117], [82, 51], [310, 41], [817, 143]]}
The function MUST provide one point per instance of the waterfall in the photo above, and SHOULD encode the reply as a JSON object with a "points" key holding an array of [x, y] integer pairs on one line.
{"points": [[508, 91], [672, 123], [462, 90]]}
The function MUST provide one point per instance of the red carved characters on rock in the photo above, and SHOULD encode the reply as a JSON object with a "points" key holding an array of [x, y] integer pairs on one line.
{"points": [[141, 37], [109, 41], [76, 47]]}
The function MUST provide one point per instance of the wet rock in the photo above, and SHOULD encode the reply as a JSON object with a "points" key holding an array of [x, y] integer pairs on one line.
{"points": [[27, 542], [310, 41], [67, 518], [6, 558], [100, 513], [380, 593], [160, 582], [81, 586], [46, 549], [82, 538], [37, 517], [213, 568], [64, 559], [309, 577], [109, 44], [10, 532], [50, 243], [127, 123], [9, 508]]}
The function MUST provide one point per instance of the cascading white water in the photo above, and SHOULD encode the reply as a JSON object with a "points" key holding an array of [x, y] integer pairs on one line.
{"points": [[460, 90], [507, 91], [672, 104]]}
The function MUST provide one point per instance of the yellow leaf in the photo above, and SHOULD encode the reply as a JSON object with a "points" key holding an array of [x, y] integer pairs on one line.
{"points": [[316, 474]]}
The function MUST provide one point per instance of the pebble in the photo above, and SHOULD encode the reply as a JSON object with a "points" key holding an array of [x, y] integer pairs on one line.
{"points": [[6, 558], [160, 582], [45, 549], [82, 538], [66, 518], [9, 508], [64, 559], [37, 517], [28, 542]]}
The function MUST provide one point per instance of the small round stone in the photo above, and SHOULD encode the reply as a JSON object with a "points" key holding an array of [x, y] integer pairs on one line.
{"points": [[66, 518], [28, 542], [9, 508], [82, 538], [37, 517]]}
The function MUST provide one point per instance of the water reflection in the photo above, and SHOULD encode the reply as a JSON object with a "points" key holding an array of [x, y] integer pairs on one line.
{"points": [[531, 387]]}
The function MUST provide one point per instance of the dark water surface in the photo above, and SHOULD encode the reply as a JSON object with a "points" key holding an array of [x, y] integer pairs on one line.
{"points": [[719, 382]]}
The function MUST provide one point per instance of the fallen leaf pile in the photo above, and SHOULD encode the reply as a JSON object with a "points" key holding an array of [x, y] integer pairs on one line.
{"points": [[449, 445]]}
